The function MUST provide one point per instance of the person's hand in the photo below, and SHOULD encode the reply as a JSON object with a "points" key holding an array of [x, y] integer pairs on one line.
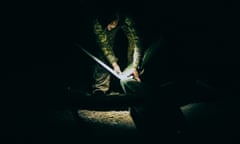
{"points": [[132, 72], [136, 75], [116, 68]]}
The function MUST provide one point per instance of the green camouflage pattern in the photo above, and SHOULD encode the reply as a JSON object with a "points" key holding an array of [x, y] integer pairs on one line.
{"points": [[105, 40]]}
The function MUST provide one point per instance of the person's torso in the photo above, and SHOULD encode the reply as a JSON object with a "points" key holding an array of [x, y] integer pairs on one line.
{"points": [[120, 44]]}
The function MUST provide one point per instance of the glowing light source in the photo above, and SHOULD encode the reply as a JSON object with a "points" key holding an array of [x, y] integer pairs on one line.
{"points": [[126, 74]]}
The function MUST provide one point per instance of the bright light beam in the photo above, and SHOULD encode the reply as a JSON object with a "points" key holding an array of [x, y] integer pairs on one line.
{"points": [[121, 76]]}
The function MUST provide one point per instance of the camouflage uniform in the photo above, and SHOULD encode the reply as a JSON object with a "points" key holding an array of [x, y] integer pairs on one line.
{"points": [[105, 40]]}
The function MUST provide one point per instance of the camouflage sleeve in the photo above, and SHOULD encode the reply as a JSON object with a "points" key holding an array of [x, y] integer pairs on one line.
{"points": [[102, 41], [134, 41]]}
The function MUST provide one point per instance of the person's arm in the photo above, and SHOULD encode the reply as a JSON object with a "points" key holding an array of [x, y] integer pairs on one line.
{"points": [[134, 41], [102, 41], [134, 45]]}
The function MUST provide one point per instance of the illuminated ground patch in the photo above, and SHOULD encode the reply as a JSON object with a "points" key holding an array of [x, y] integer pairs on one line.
{"points": [[111, 119]]}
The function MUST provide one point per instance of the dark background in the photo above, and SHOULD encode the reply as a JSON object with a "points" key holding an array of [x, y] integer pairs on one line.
{"points": [[199, 43]]}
